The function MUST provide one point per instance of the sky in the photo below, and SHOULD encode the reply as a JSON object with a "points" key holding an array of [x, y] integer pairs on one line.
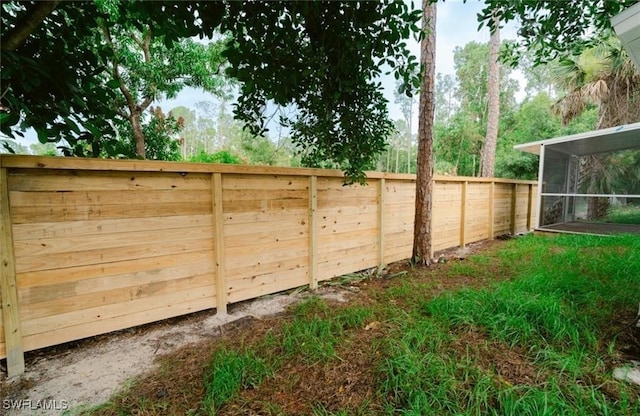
{"points": [[456, 25]]}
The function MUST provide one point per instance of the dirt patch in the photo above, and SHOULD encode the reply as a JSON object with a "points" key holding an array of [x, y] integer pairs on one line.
{"points": [[346, 382], [511, 365]]}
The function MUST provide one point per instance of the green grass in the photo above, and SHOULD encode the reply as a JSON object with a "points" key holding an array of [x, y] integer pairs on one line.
{"points": [[556, 307], [549, 302], [315, 330], [629, 214], [231, 371], [311, 336]]}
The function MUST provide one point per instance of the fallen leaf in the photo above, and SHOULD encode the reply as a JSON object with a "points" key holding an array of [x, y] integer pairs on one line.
{"points": [[372, 325]]}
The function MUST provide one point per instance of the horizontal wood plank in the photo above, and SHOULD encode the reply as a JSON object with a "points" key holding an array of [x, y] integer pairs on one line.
{"points": [[66, 304], [93, 198], [268, 284], [122, 240], [39, 214], [44, 292], [67, 181], [131, 319], [44, 230], [124, 310], [110, 255], [134, 268]]}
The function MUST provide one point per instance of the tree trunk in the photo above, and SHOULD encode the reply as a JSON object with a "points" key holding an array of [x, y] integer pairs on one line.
{"points": [[409, 136], [138, 135], [422, 249], [397, 153], [493, 112]]}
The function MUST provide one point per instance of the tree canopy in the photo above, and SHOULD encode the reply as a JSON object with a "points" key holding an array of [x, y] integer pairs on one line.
{"points": [[53, 76], [322, 57], [551, 29]]}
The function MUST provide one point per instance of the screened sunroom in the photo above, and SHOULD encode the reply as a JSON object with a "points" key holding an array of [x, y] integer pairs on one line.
{"points": [[589, 182]]}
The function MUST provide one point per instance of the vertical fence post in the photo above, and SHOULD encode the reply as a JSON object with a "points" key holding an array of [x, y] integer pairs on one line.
{"points": [[381, 204], [313, 232], [514, 204], [8, 285], [218, 230], [530, 208], [463, 214], [492, 190]]}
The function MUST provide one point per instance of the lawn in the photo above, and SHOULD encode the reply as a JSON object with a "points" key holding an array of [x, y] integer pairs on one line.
{"points": [[629, 214], [531, 326]]}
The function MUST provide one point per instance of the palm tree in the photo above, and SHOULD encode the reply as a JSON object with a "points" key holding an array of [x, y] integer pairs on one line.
{"points": [[606, 77]]}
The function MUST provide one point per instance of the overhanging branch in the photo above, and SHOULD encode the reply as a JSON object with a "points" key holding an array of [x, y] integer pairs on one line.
{"points": [[27, 24]]}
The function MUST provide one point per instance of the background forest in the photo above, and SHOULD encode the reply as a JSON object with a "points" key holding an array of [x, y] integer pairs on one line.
{"points": [[209, 133]]}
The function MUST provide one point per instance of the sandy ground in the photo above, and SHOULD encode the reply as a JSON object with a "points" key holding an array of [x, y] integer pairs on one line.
{"points": [[71, 379]]}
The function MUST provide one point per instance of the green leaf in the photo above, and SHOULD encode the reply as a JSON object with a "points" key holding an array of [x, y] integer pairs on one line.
{"points": [[114, 83]]}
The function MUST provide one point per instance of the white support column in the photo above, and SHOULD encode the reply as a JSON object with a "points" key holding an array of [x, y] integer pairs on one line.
{"points": [[539, 210]]}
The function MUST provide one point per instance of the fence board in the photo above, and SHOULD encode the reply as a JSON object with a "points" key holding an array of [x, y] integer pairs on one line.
{"points": [[130, 319], [81, 285], [253, 269], [79, 228], [144, 249], [136, 268], [99, 198], [57, 245], [253, 286], [11, 328], [67, 181], [32, 308]]}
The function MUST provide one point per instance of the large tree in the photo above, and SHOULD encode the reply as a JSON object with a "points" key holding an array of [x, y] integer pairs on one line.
{"points": [[488, 159], [460, 136], [52, 78], [422, 248], [322, 57], [146, 67], [562, 31]]}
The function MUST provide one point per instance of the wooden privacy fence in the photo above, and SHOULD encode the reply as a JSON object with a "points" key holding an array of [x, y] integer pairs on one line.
{"points": [[92, 246]]}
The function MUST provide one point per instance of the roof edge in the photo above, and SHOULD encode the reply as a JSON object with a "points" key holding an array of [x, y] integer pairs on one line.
{"points": [[534, 147]]}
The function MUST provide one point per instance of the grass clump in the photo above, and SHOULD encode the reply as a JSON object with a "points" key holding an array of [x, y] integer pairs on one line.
{"points": [[558, 298], [629, 214], [230, 372], [316, 330]]}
